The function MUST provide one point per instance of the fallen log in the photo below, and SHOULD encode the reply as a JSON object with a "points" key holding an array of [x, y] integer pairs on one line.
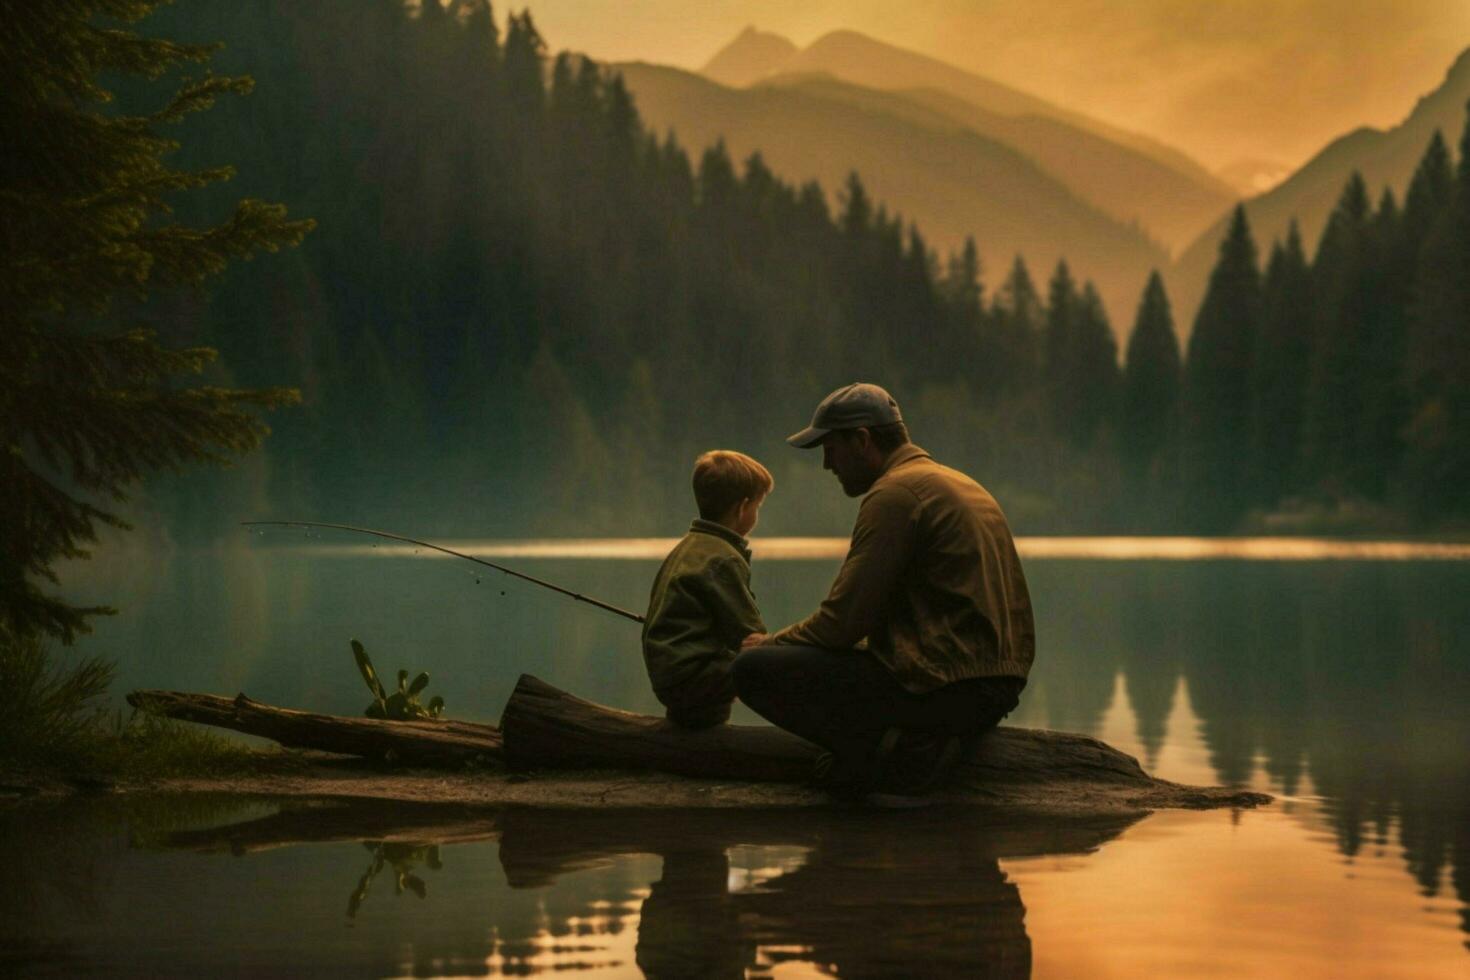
{"points": [[439, 743], [381, 822], [544, 728]]}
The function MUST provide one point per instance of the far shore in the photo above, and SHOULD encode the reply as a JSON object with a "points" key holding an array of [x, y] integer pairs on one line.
{"points": [[1031, 547]]}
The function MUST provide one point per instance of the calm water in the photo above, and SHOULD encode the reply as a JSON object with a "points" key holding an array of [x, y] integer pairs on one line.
{"points": [[1335, 676]]}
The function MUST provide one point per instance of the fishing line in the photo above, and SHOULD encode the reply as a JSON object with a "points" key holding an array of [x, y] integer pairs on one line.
{"points": [[457, 554]]}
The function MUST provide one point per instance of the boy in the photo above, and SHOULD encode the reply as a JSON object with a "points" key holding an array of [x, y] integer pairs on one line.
{"points": [[701, 606]]}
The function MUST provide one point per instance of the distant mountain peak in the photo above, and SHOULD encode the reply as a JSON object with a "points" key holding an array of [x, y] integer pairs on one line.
{"points": [[751, 56], [1461, 66], [845, 34], [855, 43], [1253, 175]]}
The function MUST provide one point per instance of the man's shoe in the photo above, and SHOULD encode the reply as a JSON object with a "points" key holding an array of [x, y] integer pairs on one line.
{"points": [[919, 763], [830, 775], [852, 779]]}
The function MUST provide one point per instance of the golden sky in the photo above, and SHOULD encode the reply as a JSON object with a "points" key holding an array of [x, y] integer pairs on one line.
{"points": [[1224, 80]]}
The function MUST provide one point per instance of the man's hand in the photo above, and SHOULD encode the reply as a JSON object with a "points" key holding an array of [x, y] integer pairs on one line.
{"points": [[755, 640]]}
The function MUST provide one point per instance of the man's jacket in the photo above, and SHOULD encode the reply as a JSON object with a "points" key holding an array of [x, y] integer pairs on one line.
{"points": [[700, 607], [932, 581]]}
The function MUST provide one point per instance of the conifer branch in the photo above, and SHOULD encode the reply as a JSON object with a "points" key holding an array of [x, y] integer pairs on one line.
{"points": [[86, 414]]}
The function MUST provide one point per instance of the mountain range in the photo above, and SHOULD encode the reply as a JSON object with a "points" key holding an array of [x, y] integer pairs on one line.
{"points": [[1125, 184], [754, 56], [1129, 176], [951, 180], [955, 152], [1385, 158], [962, 154]]}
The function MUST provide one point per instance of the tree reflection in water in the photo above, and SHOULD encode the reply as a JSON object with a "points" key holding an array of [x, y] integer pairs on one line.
{"points": [[1353, 676]]}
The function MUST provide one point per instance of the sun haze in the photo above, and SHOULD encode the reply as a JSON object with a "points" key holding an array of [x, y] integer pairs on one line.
{"points": [[1226, 81]]}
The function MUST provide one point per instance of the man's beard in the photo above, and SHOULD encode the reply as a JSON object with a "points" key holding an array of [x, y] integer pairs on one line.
{"points": [[855, 488]]}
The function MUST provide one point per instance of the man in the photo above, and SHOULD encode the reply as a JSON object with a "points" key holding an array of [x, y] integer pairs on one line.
{"points": [[927, 634]]}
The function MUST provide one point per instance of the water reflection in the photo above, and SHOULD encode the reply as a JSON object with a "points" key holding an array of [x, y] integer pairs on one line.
{"points": [[858, 894], [1352, 675], [872, 895], [1347, 679], [176, 888]]}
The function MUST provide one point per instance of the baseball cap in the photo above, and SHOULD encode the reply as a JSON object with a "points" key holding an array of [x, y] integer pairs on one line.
{"points": [[853, 406]]}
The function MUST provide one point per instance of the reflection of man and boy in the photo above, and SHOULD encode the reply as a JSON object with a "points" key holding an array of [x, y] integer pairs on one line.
{"points": [[924, 640]]}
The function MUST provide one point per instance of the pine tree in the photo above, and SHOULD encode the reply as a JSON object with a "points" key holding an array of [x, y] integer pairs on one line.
{"points": [[1094, 385], [718, 185], [1281, 371], [1377, 444], [969, 348], [1217, 383], [90, 402], [857, 207], [1148, 419], [1343, 292], [1080, 362], [1059, 346], [1429, 193], [1399, 245], [917, 319], [483, 54], [1437, 467], [623, 128], [524, 53], [1018, 315], [962, 278], [1018, 296]]}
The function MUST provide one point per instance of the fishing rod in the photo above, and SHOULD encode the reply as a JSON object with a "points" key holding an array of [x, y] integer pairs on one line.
{"points": [[457, 554]]}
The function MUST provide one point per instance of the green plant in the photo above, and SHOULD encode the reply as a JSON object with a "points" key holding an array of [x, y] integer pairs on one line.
{"points": [[403, 857], [403, 704]]}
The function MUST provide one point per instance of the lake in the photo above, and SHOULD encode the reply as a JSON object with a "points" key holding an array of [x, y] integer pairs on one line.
{"points": [[1332, 674]]}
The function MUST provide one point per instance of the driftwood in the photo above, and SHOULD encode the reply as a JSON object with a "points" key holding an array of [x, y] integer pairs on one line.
{"points": [[544, 728], [421, 743], [333, 823]]}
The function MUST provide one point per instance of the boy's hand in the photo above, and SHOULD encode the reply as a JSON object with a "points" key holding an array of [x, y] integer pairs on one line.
{"points": [[755, 640]]}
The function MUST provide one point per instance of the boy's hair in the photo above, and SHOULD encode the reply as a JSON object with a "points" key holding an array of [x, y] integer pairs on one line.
{"points": [[723, 478]]}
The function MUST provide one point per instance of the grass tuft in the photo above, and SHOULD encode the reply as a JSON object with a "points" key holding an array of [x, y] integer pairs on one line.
{"points": [[59, 723]]}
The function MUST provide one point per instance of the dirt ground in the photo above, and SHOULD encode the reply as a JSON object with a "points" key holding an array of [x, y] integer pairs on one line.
{"points": [[316, 775]]}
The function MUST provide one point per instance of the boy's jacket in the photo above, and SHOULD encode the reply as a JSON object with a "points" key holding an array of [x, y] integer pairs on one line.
{"points": [[701, 606]]}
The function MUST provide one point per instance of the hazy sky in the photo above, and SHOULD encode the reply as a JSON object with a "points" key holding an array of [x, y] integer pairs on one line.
{"points": [[1221, 79]]}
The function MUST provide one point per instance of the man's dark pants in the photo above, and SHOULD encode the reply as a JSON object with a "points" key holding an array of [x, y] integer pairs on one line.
{"points": [[844, 700]]}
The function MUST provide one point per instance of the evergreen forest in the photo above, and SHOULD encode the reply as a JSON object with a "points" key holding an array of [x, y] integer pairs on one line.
{"points": [[522, 312]]}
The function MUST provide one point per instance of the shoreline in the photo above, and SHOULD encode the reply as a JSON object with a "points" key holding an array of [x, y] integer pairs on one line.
{"points": [[319, 776]]}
